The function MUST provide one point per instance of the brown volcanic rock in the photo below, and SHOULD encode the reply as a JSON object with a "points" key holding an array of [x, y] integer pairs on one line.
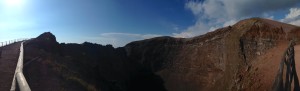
{"points": [[77, 67], [46, 41], [211, 61], [237, 57], [38, 55], [184, 64]]}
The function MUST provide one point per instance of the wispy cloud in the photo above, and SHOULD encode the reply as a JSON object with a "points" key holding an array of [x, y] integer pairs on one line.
{"points": [[213, 14], [143, 36], [193, 30], [120, 39], [293, 17]]}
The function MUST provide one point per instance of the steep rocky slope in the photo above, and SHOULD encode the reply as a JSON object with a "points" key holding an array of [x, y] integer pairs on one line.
{"points": [[230, 58], [216, 60], [49, 66]]}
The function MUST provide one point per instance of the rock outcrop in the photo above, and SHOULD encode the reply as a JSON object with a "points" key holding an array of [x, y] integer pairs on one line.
{"points": [[222, 60]]}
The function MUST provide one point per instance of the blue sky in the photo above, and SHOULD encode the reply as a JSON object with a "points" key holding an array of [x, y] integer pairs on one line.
{"points": [[118, 22]]}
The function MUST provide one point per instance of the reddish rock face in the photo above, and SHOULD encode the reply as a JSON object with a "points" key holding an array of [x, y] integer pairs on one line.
{"points": [[223, 60], [215, 61]]}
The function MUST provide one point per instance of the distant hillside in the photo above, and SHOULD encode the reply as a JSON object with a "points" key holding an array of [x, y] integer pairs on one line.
{"points": [[229, 58]]}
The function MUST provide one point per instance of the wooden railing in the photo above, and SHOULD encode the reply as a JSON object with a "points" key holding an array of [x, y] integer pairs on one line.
{"points": [[284, 83]]}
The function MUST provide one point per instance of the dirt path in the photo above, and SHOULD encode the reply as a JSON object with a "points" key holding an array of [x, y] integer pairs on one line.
{"points": [[266, 67], [8, 62]]}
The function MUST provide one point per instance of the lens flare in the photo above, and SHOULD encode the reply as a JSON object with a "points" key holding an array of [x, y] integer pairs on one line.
{"points": [[14, 3]]}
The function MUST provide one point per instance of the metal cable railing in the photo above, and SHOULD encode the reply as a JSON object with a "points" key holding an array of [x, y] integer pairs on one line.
{"points": [[5, 43], [288, 62], [22, 83]]}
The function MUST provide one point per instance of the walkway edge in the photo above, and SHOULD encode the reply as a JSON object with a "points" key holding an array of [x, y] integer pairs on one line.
{"points": [[23, 85]]}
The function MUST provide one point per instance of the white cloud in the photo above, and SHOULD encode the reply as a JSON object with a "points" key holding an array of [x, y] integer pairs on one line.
{"points": [[143, 36], [296, 22], [192, 30], [213, 14], [195, 7], [120, 39], [293, 17], [228, 23], [294, 13]]}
